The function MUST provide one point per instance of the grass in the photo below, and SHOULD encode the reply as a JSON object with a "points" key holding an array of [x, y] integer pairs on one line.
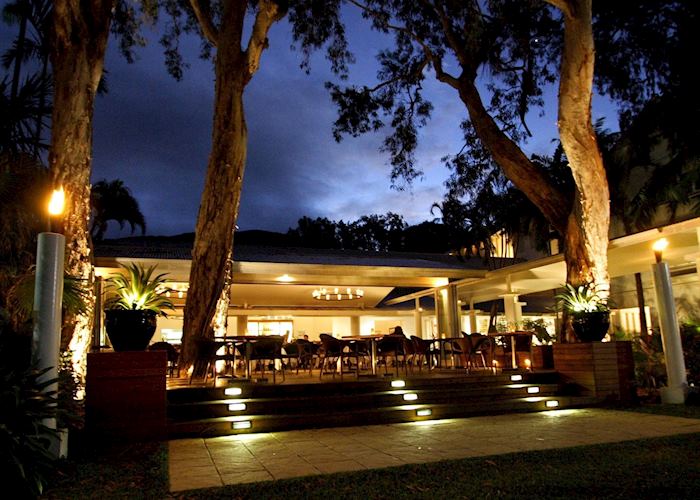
{"points": [[659, 467], [650, 468]]}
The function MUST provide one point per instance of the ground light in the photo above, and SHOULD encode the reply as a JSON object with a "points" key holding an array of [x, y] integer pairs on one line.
{"points": [[242, 424]]}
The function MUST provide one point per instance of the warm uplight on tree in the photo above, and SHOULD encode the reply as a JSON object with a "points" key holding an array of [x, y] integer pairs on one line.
{"points": [[659, 246], [58, 199]]}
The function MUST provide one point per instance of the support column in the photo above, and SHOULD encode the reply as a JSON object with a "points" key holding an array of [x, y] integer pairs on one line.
{"points": [[354, 325], [472, 317], [670, 336], [513, 309], [241, 325], [417, 319], [447, 311]]}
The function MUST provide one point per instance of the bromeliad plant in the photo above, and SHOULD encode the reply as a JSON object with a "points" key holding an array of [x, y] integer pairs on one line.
{"points": [[582, 299], [139, 290]]}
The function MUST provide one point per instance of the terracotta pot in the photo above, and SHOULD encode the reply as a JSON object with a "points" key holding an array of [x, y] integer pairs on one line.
{"points": [[130, 330], [590, 326]]}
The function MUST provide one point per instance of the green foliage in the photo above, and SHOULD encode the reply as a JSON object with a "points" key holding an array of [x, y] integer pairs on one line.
{"points": [[113, 201], [539, 328], [139, 290], [70, 410], [24, 439], [20, 296], [581, 299]]}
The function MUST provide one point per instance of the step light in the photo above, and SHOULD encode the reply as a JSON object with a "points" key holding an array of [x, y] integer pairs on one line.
{"points": [[410, 396], [552, 403], [236, 407], [398, 383], [516, 378], [242, 424], [424, 412], [233, 391], [533, 390]]}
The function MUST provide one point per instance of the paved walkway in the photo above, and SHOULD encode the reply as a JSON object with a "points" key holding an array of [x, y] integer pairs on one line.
{"points": [[203, 463]]}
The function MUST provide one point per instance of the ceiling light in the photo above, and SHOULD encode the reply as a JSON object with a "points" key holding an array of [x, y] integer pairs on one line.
{"points": [[337, 293]]}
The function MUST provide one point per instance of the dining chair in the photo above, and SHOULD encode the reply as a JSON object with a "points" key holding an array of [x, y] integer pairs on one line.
{"points": [[423, 351], [335, 350], [391, 346], [267, 348], [206, 358]]}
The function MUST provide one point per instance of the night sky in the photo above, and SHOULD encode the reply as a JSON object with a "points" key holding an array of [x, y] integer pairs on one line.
{"points": [[154, 133]]}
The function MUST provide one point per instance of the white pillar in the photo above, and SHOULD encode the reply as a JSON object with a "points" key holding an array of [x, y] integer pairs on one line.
{"points": [[472, 317], [670, 336], [354, 325], [241, 325], [417, 319], [447, 311], [48, 298], [512, 309]]}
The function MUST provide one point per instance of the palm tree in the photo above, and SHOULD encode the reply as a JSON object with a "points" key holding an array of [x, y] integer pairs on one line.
{"points": [[113, 201]]}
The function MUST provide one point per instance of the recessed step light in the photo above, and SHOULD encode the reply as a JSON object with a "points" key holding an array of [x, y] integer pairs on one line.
{"points": [[236, 407], [410, 396], [533, 390], [398, 383], [242, 424], [233, 391], [552, 403], [425, 412], [516, 378]]}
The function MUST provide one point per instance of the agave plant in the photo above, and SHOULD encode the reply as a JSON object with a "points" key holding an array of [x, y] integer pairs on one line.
{"points": [[139, 290], [583, 298]]}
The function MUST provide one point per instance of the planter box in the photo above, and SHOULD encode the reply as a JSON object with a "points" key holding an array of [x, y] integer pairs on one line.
{"points": [[542, 357], [598, 369], [125, 395]]}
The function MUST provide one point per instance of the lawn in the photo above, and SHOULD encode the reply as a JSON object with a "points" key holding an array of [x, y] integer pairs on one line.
{"points": [[650, 468]]}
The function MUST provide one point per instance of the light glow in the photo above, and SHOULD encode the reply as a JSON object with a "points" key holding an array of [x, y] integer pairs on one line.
{"points": [[233, 391], [324, 293], [285, 278], [659, 246], [57, 202]]}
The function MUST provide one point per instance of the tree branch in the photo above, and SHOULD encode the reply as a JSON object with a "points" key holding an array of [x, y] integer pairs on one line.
{"points": [[268, 14], [206, 24], [563, 5]]}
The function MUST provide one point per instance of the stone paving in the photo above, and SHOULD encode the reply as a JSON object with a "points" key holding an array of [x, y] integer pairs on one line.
{"points": [[245, 458]]}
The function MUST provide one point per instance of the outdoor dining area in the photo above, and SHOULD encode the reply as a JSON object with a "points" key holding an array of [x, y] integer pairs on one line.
{"points": [[271, 359]]}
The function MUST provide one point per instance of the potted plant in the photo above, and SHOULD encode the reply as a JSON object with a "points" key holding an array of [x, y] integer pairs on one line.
{"points": [[589, 312], [130, 316]]}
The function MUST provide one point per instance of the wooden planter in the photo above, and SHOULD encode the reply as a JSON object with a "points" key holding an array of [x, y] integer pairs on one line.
{"points": [[598, 369], [125, 395]]}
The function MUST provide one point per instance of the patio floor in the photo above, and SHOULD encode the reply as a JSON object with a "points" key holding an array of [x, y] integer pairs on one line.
{"points": [[203, 463]]}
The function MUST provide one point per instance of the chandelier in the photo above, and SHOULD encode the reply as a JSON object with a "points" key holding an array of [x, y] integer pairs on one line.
{"points": [[337, 293]]}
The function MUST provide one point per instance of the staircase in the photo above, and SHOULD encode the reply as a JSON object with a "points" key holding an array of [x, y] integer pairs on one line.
{"points": [[255, 407]]}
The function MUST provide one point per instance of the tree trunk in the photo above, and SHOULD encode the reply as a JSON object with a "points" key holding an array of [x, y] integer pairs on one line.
{"points": [[586, 249], [218, 211], [641, 305], [220, 200], [81, 30]]}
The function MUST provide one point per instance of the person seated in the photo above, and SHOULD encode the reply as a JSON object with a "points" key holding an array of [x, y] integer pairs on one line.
{"points": [[398, 331]]}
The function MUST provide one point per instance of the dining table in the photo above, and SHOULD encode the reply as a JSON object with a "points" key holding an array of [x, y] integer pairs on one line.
{"points": [[233, 343], [510, 338], [372, 347]]}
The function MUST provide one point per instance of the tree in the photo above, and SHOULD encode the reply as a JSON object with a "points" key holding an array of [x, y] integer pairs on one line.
{"points": [[80, 33], [113, 201], [222, 25], [522, 47]]}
